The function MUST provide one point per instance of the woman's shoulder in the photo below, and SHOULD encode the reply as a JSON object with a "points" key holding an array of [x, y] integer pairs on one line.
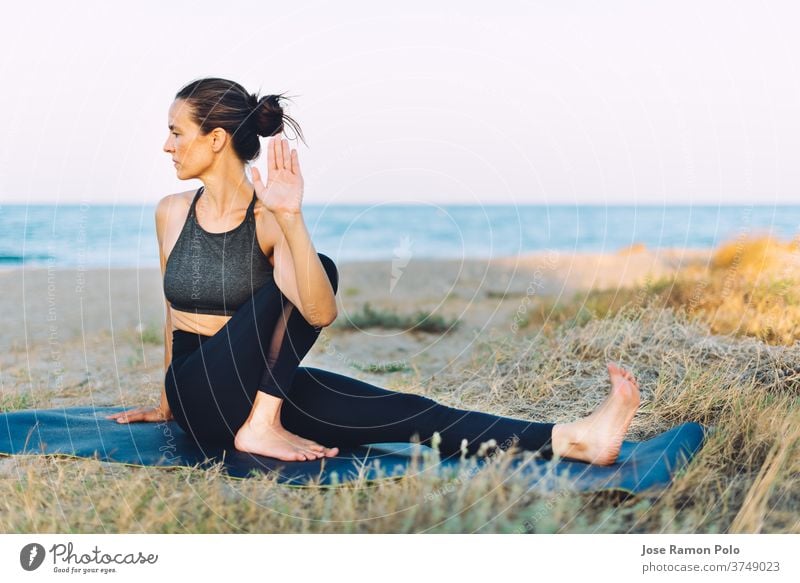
{"points": [[174, 207], [176, 200], [171, 213]]}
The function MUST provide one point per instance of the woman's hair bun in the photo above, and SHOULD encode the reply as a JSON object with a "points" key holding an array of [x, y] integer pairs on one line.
{"points": [[267, 114], [270, 117]]}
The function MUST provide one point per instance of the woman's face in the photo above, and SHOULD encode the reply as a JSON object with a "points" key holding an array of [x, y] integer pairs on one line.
{"points": [[190, 150]]}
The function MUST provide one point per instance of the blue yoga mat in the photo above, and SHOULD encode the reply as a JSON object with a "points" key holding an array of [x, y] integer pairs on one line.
{"points": [[84, 432]]}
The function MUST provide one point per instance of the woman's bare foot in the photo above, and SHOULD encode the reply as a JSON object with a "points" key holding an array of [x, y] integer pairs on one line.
{"points": [[272, 440], [597, 439], [263, 434]]}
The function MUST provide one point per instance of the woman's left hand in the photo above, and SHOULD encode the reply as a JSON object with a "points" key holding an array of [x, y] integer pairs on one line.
{"points": [[283, 192]]}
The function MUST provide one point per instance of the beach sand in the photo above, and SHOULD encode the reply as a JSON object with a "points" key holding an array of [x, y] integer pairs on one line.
{"points": [[95, 337]]}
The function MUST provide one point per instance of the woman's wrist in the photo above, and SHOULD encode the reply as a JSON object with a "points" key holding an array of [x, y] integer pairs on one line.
{"points": [[288, 219], [164, 405]]}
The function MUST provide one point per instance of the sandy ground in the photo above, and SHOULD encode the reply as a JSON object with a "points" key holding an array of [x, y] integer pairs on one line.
{"points": [[72, 337]]}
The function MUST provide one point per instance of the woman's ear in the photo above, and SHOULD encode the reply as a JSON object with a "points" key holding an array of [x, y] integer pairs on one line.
{"points": [[219, 138]]}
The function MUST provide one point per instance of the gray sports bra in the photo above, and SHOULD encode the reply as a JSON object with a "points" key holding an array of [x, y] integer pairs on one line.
{"points": [[215, 273]]}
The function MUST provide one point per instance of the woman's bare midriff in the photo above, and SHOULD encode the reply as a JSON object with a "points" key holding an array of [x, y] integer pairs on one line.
{"points": [[205, 324]]}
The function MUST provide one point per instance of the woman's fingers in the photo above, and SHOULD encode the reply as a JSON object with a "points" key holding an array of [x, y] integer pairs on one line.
{"points": [[286, 155], [130, 415], [282, 157], [119, 414], [271, 155], [278, 152]]}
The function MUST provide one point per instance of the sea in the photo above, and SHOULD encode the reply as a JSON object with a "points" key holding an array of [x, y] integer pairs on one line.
{"points": [[105, 236]]}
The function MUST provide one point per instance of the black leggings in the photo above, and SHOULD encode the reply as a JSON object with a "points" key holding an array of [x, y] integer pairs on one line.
{"points": [[212, 381]]}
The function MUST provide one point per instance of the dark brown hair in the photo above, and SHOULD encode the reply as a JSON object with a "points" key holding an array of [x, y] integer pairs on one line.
{"points": [[220, 103]]}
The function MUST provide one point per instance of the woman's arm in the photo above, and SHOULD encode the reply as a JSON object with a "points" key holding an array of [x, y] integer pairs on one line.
{"points": [[167, 340], [167, 359], [161, 223], [299, 273]]}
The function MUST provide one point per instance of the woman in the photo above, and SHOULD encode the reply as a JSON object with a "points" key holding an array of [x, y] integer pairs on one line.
{"points": [[247, 295]]}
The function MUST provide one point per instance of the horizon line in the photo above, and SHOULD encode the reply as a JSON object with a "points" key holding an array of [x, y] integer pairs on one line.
{"points": [[422, 204]]}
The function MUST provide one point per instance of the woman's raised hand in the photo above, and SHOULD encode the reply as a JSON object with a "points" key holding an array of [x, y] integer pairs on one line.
{"points": [[141, 414], [283, 192]]}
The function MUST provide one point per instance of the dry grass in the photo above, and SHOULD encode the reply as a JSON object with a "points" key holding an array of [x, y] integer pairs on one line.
{"points": [[750, 288], [744, 383], [419, 321]]}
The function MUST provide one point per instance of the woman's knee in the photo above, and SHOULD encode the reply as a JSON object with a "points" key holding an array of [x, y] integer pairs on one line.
{"points": [[331, 270]]}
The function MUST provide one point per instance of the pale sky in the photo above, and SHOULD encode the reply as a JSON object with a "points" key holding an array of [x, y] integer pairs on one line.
{"points": [[465, 102]]}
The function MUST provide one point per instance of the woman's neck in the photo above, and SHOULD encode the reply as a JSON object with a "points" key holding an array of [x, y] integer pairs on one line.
{"points": [[226, 191]]}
